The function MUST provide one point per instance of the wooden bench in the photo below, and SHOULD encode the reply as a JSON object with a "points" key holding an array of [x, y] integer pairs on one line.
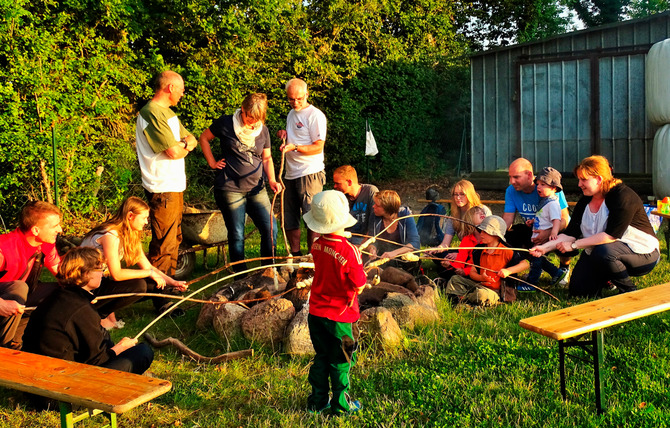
{"points": [[566, 325], [105, 390]]}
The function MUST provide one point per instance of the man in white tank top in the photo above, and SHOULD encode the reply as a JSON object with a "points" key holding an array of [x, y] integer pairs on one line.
{"points": [[162, 143]]}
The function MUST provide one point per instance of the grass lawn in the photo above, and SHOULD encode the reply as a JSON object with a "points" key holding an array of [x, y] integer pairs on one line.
{"points": [[475, 367]]}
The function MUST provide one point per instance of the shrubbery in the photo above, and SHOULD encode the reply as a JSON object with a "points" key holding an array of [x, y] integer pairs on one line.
{"points": [[82, 69]]}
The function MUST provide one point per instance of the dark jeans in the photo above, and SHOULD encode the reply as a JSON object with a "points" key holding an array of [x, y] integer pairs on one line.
{"points": [[609, 262], [234, 206], [165, 216], [133, 360], [138, 285], [12, 328], [537, 265]]}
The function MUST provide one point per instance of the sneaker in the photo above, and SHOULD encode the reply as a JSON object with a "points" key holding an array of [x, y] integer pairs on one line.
{"points": [[354, 406], [525, 288], [321, 410], [560, 276], [174, 313]]}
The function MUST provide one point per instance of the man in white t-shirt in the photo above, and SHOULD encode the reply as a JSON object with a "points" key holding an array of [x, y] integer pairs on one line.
{"points": [[305, 136], [162, 144]]}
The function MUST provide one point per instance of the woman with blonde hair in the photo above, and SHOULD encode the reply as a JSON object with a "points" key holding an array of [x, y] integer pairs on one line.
{"points": [[119, 240], [610, 225], [463, 197], [243, 167]]}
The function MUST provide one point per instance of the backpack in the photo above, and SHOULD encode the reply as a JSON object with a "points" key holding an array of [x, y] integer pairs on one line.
{"points": [[430, 229]]}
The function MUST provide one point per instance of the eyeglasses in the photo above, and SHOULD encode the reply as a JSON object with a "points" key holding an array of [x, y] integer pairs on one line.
{"points": [[297, 99], [458, 195]]}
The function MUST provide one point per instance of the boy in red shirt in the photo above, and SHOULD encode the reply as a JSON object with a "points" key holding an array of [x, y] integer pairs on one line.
{"points": [[333, 304]]}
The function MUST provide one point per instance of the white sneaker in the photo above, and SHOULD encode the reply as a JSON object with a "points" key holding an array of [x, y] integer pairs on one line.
{"points": [[566, 279]]}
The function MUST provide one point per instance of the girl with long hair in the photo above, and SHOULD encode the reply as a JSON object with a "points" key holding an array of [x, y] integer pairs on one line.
{"points": [[119, 240]]}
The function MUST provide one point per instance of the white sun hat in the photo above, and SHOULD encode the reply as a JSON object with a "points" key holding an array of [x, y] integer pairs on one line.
{"points": [[329, 212]]}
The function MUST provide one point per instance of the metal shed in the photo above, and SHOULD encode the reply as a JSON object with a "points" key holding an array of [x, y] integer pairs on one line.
{"points": [[559, 100]]}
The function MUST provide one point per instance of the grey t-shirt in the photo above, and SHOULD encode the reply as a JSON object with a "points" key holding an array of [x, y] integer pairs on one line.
{"points": [[361, 209]]}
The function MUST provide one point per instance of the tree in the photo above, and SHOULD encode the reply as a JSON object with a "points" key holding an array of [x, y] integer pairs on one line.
{"points": [[490, 23], [598, 12], [642, 8]]}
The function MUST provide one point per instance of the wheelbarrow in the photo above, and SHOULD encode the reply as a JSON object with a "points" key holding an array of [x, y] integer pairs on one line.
{"points": [[201, 230]]}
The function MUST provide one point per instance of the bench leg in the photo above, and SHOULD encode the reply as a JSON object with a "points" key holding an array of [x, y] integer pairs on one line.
{"points": [[598, 360], [594, 349], [67, 419], [561, 365]]}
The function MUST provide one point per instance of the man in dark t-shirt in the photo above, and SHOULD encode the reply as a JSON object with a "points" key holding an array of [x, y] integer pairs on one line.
{"points": [[360, 196]]}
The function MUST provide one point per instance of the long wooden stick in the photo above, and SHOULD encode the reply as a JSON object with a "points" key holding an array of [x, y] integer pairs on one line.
{"points": [[395, 220], [174, 306], [185, 350]]}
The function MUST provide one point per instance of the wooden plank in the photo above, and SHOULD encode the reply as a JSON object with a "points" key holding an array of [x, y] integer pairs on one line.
{"points": [[576, 320], [93, 387]]}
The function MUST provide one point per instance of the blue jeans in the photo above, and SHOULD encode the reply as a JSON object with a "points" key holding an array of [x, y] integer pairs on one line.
{"points": [[537, 265], [255, 203]]}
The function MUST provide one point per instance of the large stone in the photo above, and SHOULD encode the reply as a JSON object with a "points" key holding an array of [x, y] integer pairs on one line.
{"points": [[378, 328], [297, 341], [408, 313], [427, 296], [376, 294], [267, 321], [207, 312], [399, 277], [227, 320]]}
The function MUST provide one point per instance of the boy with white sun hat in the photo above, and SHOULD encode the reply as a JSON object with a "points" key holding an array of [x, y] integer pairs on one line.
{"points": [[333, 304]]}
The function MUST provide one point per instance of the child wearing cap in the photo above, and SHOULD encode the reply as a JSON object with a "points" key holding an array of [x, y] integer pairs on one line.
{"points": [[333, 304], [493, 263], [547, 216]]}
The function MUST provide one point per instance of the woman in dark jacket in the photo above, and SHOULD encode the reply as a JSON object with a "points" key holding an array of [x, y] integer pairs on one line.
{"points": [[67, 326], [239, 186], [611, 227]]}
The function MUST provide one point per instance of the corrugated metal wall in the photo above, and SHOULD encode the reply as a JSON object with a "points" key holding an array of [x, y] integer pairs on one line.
{"points": [[562, 99]]}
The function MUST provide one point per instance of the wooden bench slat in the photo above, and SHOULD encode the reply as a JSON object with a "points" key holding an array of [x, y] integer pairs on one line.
{"points": [[577, 320], [94, 387]]}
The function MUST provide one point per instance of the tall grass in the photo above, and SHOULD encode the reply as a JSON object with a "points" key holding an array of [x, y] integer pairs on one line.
{"points": [[474, 367]]}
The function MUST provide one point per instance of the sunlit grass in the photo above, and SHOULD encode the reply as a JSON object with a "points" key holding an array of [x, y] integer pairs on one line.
{"points": [[475, 367]]}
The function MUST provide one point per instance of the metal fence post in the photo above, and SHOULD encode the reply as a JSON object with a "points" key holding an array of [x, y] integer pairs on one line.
{"points": [[53, 145]]}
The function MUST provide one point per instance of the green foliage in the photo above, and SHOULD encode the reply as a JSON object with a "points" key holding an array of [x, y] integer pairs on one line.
{"points": [[598, 12], [642, 8], [64, 77], [82, 68], [490, 23]]}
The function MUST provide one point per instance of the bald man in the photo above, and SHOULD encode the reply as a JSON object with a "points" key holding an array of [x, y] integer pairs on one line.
{"points": [[304, 136], [162, 145], [522, 197]]}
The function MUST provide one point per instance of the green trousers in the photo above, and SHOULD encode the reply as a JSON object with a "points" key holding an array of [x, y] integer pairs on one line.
{"points": [[330, 362]]}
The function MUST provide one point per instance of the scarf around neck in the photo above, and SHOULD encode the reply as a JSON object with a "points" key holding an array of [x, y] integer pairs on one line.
{"points": [[246, 136]]}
